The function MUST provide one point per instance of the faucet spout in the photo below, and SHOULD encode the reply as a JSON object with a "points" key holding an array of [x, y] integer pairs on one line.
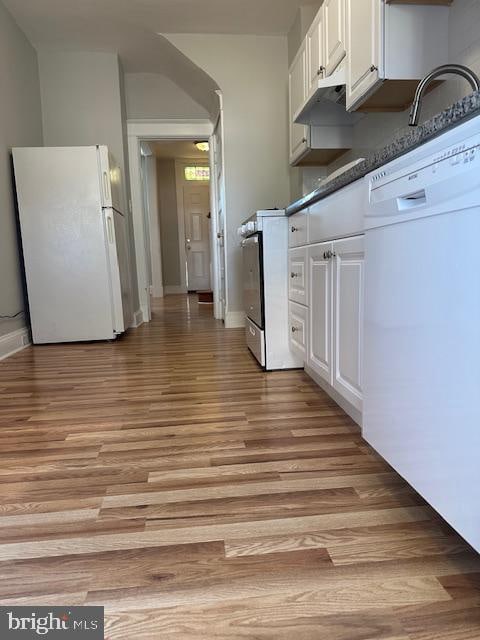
{"points": [[456, 69]]}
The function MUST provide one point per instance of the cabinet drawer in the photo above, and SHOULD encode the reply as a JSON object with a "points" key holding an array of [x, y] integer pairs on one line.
{"points": [[339, 215], [298, 330], [255, 341], [298, 229], [298, 275]]}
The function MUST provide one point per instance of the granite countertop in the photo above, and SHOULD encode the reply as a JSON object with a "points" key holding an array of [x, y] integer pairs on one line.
{"points": [[412, 137]]}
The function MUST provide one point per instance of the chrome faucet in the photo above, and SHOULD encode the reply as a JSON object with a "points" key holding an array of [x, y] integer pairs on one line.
{"points": [[457, 69]]}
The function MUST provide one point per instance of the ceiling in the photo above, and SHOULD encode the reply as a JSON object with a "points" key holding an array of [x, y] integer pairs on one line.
{"points": [[47, 20], [177, 149]]}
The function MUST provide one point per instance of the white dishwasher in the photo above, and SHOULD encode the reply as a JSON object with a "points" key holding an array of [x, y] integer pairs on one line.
{"points": [[422, 323]]}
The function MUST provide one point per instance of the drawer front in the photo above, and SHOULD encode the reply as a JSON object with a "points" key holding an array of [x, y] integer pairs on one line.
{"points": [[255, 341], [298, 276], [298, 330], [339, 215], [298, 229]]}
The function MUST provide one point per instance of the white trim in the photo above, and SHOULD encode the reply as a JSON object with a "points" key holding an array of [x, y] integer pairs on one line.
{"points": [[152, 130], [234, 319], [218, 194], [173, 289], [14, 341], [137, 319], [139, 226]]}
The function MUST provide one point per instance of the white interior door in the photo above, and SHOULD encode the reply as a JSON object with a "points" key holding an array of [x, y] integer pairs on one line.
{"points": [[196, 202]]}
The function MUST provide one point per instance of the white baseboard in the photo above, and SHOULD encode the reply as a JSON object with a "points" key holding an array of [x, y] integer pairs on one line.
{"points": [[137, 319], [170, 290], [234, 319], [157, 292], [14, 341]]}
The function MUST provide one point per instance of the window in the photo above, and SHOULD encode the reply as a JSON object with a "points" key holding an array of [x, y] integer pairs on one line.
{"points": [[197, 173]]}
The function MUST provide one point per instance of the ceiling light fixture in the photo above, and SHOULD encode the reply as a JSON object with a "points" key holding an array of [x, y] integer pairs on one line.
{"points": [[203, 145]]}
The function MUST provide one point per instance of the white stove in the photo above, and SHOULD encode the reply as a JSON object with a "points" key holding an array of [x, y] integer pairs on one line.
{"points": [[265, 285], [255, 222]]}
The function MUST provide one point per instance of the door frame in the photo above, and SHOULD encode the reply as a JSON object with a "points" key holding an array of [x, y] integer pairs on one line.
{"points": [[145, 130]]}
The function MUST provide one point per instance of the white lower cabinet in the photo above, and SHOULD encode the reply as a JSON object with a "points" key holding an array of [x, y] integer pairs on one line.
{"points": [[298, 329], [320, 274], [336, 283], [297, 275], [348, 299]]}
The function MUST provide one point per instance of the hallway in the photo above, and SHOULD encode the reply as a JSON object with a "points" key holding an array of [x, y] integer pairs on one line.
{"points": [[166, 477]]}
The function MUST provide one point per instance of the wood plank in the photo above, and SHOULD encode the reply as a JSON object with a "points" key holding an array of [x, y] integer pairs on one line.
{"points": [[170, 479]]}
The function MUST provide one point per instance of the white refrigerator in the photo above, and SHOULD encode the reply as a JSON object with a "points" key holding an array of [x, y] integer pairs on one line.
{"points": [[74, 241]]}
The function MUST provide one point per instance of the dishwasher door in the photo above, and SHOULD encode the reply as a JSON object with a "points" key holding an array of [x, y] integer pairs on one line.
{"points": [[253, 279], [422, 342]]}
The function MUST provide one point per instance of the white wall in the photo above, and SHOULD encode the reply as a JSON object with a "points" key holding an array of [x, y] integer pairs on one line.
{"points": [[154, 96], [82, 104], [20, 125], [251, 72]]}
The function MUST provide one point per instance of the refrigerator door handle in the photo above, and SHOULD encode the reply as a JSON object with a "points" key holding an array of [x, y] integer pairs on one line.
{"points": [[106, 184], [110, 229]]}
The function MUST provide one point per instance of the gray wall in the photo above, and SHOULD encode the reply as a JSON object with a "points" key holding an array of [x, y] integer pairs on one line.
{"points": [[83, 104], [153, 96], [251, 72], [167, 206], [20, 125]]}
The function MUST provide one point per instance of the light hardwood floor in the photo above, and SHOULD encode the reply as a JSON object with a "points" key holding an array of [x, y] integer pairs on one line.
{"points": [[166, 477]]}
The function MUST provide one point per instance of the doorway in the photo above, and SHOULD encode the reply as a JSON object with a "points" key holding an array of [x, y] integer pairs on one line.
{"points": [[186, 132], [177, 203]]}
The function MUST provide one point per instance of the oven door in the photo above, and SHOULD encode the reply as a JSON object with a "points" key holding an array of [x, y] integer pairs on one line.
{"points": [[253, 279]]}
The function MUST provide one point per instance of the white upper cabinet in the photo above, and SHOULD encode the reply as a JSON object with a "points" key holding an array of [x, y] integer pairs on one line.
{"points": [[366, 55], [390, 47], [297, 94], [334, 33], [364, 18], [297, 80], [315, 51]]}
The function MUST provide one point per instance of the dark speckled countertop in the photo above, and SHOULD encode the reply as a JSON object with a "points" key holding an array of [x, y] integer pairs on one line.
{"points": [[411, 138]]}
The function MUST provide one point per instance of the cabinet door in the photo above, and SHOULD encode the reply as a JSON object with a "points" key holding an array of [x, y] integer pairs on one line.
{"points": [[364, 25], [315, 51], [298, 276], [334, 12], [298, 331], [349, 258], [297, 95], [320, 272]]}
